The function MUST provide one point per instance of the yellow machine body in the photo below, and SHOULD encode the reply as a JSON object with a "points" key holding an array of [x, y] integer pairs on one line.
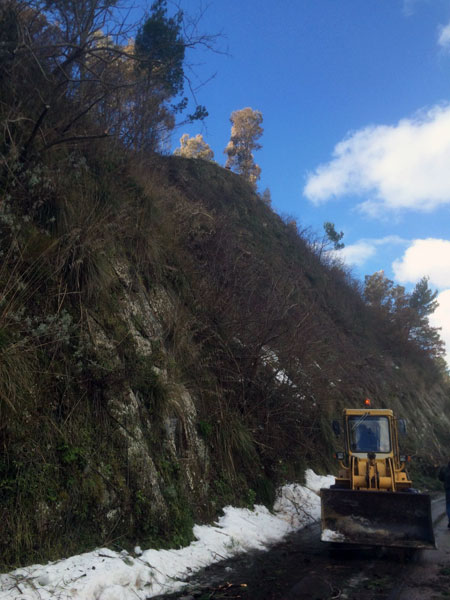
{"points": [[376, 464], [372, 501]]}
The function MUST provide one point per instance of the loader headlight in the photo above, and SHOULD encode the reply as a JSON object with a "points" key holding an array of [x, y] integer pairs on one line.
{"points": [[339, 455]]}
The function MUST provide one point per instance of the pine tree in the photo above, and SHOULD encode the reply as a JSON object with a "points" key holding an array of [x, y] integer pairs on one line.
{"points": [[334, 237], [423, 303]]}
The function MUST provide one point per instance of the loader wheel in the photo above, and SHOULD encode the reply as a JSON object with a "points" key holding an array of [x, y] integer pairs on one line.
{"points": [[337, 552], [402, 555]]}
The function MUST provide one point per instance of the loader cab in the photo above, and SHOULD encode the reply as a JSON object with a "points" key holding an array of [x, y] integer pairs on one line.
{"points": [[371, 459], [369, 433]]}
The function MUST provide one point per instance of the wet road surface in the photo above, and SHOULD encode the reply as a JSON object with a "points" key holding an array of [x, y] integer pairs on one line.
{"points": [[304, 568], [430, 579]]}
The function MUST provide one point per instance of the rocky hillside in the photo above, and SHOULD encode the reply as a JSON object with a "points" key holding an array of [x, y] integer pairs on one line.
{"points": [[169, 345]]}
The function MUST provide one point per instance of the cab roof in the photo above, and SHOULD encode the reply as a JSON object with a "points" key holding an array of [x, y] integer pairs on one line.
{"points": [[387, 412]]}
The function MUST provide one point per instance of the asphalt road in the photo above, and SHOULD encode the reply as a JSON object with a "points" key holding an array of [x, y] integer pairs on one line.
{"points": [[304, 568], [430, 577]]}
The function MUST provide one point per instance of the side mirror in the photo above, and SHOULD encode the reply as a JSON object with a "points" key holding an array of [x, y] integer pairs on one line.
{"points": [[402, 426], [336, 428]]}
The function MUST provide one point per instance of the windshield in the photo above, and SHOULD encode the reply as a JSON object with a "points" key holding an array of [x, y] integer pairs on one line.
{"points": [[368, 433]]}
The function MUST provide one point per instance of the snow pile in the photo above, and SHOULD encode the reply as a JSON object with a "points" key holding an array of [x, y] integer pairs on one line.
{"points": [[107, 575], [332, 536], [300, 505]]}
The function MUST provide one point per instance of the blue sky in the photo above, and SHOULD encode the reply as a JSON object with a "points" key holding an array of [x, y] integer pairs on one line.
{"points": [[355, 96]]}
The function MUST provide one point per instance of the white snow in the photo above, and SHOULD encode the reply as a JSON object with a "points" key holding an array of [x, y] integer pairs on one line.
{"points": [[332, 536], [107, 575], [270, 358]]}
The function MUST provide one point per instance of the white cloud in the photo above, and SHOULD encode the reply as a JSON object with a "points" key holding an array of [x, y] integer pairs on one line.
{"points": [[409, 7], [390, 239], [441, 318], [358, 253], [429, 257], [444, 37], [401, 167]]}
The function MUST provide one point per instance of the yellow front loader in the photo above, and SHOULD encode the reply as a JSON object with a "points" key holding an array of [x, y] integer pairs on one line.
{"points": [[373, 502]]}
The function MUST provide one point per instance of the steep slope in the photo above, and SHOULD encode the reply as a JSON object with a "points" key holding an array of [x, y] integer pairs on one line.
{"points": [[169, 345]]}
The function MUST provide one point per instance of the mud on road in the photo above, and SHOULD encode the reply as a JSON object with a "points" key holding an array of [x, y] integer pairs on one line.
{"points": [[303, 568], [430, 579], [299, 568]]}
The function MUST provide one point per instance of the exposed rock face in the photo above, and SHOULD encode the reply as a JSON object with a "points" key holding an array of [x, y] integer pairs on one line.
{"points": [[191, 357], [173, 434]]}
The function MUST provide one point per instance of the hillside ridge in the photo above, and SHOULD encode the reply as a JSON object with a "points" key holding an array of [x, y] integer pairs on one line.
{"points": [[170, 345]]}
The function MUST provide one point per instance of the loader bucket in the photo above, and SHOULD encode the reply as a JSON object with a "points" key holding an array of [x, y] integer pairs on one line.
{"points": [[374, 518]]}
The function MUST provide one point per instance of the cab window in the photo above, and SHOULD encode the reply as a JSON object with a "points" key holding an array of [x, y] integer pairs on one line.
{"points": [[369, 433]]}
